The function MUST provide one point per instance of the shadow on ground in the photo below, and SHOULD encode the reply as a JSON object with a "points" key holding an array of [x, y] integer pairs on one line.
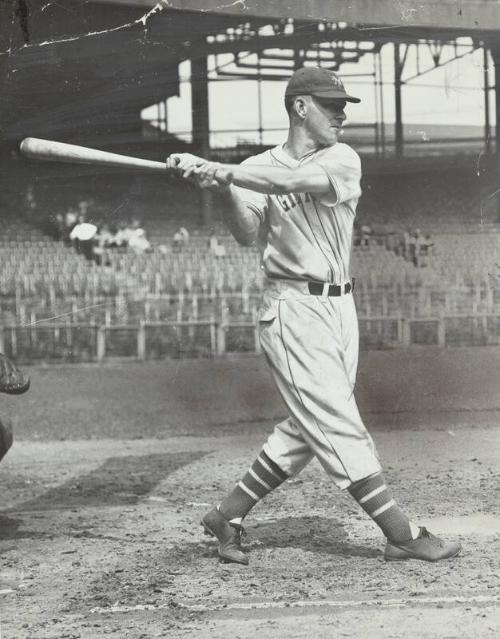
{"points": [[119, 480]]}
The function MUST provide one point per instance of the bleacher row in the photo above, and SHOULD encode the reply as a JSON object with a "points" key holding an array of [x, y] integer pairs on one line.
{"points": [[41, 278], [177, 302]]}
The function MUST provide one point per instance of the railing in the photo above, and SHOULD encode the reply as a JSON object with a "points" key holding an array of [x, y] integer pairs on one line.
{"points": [[75, 342]]}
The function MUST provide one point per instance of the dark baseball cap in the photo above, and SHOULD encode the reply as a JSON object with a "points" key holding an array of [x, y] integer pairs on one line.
{"points": [[319, 82]]}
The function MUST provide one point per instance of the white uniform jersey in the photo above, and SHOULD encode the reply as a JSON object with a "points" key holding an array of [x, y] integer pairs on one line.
{"points": [[305, 236]]}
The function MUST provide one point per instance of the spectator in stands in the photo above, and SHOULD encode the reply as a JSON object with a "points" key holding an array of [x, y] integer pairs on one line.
{"points": [[404, 244], [212, 241], [184, 234], [123, 234], [138, 242], [70, 220], [54, 226], [415, 247], [366, 233], [101, 245], [82, 237], [218, 250], [180, 238], [426, 249]]}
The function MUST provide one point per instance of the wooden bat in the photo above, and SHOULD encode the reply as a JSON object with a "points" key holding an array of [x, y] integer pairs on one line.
{"points": [[61, 152]]}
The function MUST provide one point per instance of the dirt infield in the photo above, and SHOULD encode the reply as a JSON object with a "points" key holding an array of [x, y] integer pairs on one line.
{"points": [[113, 467]]}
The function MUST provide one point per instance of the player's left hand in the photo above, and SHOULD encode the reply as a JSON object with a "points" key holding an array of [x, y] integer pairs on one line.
{"points": [[212, 175]]}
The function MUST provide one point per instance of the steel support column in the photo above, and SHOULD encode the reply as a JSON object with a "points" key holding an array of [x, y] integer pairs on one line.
{"points": [[486, 84], [199, 106], [495, 53], [398, 126], [201, 127]]}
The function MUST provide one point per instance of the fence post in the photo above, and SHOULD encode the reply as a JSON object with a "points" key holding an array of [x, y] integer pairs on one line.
{"points": [[441, 331], [406, 331], [141, 341], [13, 342], [2, 340], [221, 337], [101, 343], [256, 335], [213, 337]]}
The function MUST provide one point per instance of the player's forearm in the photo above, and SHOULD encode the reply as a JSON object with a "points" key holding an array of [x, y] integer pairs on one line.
{"points": [[280, 180], [239, 219]]}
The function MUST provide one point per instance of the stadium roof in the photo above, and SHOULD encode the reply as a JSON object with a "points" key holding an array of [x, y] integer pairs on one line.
{"points": [[448, 14], [83, 73]]}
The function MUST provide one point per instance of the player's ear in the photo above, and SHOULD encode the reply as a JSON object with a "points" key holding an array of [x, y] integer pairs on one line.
{"points": [[300, 107]]}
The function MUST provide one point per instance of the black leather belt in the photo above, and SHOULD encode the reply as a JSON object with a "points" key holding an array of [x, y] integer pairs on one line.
{"points": [[334, 290]]}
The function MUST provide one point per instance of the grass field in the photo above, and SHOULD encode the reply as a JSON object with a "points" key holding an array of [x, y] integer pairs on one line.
{"points": [[113, 466]]}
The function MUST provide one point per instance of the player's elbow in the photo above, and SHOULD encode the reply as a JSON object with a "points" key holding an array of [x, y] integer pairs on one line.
{"points": [[285, 185], [292, 182]]}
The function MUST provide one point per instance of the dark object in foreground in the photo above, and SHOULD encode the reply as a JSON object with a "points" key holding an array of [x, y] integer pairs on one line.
{"points": [[12, 380], [426, 547], [228, 534], [6, 437]]}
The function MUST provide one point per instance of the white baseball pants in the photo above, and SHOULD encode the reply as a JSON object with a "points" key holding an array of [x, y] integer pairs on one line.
{"points": [[311, 344]]}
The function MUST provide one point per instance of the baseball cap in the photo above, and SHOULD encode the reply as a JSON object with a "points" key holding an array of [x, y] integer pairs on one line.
{"points": [[318, 81]]}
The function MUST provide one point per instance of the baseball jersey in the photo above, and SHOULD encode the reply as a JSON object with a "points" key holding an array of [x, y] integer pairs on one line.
{"points": [[308, 236]]}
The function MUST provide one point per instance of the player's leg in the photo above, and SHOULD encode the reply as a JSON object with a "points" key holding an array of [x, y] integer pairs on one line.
{"points": [[284, 455], [315, 373], [405, 539]]}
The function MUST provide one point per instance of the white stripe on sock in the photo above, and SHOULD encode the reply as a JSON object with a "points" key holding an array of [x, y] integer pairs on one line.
{"points": [[383, 508], [248, 491], [268, 468], [261, 481], [374, 492]]}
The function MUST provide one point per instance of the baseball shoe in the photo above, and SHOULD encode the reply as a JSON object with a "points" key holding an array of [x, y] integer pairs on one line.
{"points": [[426, 547], [228, 534], [12, 380], [6, 437]]}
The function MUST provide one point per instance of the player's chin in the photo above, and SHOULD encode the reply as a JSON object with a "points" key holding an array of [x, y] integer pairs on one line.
{"points": [[333, 135]]}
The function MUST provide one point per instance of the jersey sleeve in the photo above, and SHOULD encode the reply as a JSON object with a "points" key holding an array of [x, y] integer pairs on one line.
{"points": [[343, 168], [256, 202]]}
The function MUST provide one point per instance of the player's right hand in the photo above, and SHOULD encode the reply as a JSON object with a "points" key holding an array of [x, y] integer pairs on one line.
{"points": [[184, 163]]}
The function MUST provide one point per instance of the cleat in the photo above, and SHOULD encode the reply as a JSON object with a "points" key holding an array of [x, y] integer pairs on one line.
{"points": [[12, 380], [426, 547], [229, 535]]}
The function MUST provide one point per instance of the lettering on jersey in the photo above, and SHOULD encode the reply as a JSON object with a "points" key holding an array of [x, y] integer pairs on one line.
{"points": [[291, 200]]}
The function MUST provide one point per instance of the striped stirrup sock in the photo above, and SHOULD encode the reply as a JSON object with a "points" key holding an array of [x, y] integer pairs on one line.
{"points": [[376, 499], [262, 477]]}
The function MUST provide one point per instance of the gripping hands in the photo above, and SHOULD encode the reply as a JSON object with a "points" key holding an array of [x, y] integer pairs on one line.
{"points": [[206, 174]]}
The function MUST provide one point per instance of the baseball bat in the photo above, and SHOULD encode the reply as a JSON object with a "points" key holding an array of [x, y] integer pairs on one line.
{"points": [[61, 152]]}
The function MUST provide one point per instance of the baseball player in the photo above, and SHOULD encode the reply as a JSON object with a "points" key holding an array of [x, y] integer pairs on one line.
{"points": [[298, 201], [14, 382]]}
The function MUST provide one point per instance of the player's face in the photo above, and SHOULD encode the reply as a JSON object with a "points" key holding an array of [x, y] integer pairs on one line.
{"points": [[324, 119]]}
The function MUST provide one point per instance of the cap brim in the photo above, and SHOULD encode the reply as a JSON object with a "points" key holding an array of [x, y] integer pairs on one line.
{"points": [[335, 95]]}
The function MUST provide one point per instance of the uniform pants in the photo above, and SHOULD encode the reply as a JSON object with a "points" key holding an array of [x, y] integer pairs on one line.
{"points": [[311, 344]]}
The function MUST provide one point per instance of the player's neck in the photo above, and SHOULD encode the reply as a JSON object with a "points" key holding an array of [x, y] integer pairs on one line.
{"points": [[299, 144]]}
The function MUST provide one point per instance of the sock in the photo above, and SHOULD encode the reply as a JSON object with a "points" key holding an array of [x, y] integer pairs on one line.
{"points": [[262, 477], [376, 499]]}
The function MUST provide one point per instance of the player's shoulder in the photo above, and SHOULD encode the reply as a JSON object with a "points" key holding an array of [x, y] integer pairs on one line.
{"points": [[261, 158], [340, 152]]}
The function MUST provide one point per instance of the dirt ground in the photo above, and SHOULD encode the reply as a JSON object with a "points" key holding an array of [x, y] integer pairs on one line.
{"points": [[113, 466]]}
